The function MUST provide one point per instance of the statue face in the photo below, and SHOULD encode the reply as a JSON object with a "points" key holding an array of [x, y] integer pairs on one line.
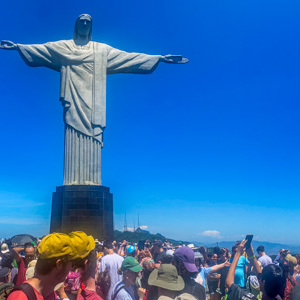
{"points": [[84, 26]]}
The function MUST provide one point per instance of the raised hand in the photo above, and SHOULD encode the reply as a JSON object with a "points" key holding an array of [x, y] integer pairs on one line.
{"points": [[227, 263], [174, 59], [8, 45], [241, 247], [250, 251]]}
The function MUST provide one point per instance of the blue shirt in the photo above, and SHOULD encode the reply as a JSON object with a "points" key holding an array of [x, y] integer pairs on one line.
{"points": [[239, 276], [203, 273]]}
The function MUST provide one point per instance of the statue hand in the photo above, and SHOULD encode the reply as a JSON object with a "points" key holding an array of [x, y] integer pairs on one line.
{"points": [[174, 59], [8, 45]]}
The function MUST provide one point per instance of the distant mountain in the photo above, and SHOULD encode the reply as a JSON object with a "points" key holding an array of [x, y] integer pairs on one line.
{"points": [[271, 248], [139, 229], [141, 235]]}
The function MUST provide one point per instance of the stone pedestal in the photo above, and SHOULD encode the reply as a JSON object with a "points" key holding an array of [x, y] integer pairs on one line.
{"points": [[88, 208]]}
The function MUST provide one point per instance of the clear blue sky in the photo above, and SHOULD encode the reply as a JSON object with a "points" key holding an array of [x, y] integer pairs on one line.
{"points": [[205, 151]]}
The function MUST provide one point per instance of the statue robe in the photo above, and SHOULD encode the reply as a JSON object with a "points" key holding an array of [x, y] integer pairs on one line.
{"points": [[83, 72]]}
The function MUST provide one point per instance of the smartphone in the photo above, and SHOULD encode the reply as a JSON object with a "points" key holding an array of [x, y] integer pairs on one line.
{"points": [[141, 245], [248, 238]]}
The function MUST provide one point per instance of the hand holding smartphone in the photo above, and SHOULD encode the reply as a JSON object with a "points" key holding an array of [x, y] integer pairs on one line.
{"points": [[248, 238]]}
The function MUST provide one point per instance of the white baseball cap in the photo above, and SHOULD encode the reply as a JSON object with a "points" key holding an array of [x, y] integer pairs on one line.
{"points": [[4, 248]]}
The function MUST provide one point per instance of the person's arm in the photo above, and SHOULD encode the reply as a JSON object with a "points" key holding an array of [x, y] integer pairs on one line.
{"points": [[16, 253], [218, 267], [253, 260], [277, 258], [231, 272]]}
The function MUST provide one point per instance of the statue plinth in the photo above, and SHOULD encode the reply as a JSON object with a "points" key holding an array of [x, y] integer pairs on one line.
{"points": [[87, 208]]}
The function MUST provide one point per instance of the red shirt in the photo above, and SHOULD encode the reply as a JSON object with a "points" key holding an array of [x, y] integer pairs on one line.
{"points": [[19, 295], [288, 288], [21, 276], [87, 295]]}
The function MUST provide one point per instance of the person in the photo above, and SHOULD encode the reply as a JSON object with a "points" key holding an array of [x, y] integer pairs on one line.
{"points": [[112, 262], [205, 271], [264, 259], [148, 266], [103, 284], [271, 278], [23, 262], [169, 283], [55, 254], [240, 270], [126, 289], [224, 257], [213, 277], [85, 259], [287, 265], [184, 261], [5, 284], [4, 248], [131, 251], [83, 66], [158, 253]]}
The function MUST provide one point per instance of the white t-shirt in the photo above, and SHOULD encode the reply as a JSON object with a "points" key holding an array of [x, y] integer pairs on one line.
{"points": [[113, 262], [265, 260]]}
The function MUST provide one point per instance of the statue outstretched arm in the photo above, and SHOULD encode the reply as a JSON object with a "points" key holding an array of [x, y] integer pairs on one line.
{"points": [[47, 55], [8, 45], [124, 62]]}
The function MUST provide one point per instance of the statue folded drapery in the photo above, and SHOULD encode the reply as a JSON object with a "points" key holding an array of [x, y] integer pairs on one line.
{"points": [[83, 72]]}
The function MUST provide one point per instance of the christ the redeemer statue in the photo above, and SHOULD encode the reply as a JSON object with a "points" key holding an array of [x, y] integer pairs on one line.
{"points": [[83, 66]]}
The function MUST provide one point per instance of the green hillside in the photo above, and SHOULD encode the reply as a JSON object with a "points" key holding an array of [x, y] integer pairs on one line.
{"points": [[142, 235]]}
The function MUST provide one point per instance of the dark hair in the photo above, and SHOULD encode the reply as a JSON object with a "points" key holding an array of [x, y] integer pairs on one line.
{"points": [[158, 244], [28, 245], [274, 280], [99, 248], [284, 253], [260, 249], [45, 266], [108, 245], [202, 250], [104, 282], [167, 259], [217, 251], [141, 255], [233, 249], [7, 260], [91, 259], [76, 27], [181, 269]]}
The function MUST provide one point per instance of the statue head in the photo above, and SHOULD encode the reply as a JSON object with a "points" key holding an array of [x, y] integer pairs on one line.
{"points": [[83, 27]]}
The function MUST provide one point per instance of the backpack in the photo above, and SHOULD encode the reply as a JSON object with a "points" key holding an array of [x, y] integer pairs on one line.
{"points": [[5, 289], [26, 288]]}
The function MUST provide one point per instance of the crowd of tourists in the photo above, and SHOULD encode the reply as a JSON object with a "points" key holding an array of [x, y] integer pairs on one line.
{"points": [[76, 266]]}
